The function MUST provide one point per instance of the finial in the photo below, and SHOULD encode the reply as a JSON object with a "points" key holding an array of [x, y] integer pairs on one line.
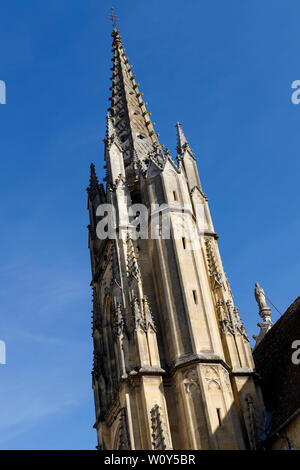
{"points": [[113, 18], [264, 312]]}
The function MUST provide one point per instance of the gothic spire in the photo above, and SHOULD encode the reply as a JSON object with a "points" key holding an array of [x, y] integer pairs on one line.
{"points": [[128, 110]]}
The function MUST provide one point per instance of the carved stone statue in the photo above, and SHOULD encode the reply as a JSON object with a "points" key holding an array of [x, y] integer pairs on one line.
{"points": [[260, 297], [264, 312]]}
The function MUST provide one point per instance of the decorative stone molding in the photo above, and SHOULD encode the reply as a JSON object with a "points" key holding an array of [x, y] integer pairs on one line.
{"points": [[158, 438], [212, 377], [226, 379], [191, 380]]}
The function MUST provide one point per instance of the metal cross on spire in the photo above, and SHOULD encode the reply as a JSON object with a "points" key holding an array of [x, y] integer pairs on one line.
{"points": [[113, 18]]}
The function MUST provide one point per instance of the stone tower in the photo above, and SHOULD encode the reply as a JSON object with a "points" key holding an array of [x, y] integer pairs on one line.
{"points": [[173, 368]]}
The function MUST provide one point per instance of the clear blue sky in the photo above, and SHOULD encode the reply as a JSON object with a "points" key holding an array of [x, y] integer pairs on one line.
{"points": [[224, 69]]}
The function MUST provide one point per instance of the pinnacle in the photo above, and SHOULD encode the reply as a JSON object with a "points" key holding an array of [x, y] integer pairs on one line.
{"points": [[94, 184], [181, 139], [182, 142]]}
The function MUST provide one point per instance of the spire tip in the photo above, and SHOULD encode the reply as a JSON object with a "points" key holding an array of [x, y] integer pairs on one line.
{"points": [[113, 18]]}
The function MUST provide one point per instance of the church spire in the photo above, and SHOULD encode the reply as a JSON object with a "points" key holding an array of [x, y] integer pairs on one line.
{"points": [[169, 339], [128, 110]]}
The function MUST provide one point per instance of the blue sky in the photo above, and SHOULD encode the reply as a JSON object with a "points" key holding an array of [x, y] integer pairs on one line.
{"points": [[224, 69]]}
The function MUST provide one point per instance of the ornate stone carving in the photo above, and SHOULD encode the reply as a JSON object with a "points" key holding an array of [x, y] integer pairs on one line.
{"points": [[191, 380], [149, 321], [137, 314], [231, 315], [216, 276], [157, 157], [212, 377], [92, 231], [119, 181], [118, 320], [124, 435], [239, 323], [222, 315], [158, 438], [229, 318], [142, 167], [142, 316], [133, 270]]}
